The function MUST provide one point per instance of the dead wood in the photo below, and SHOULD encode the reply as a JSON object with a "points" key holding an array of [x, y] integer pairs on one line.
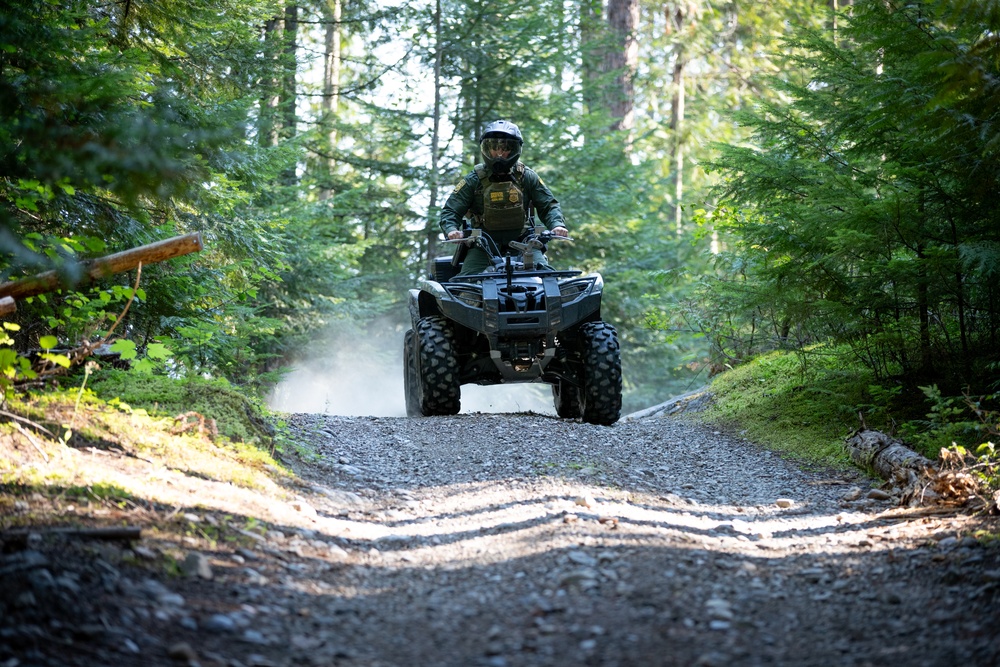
{"points": [[34, 443], [915, 479], [887, 457], [102, 267]]}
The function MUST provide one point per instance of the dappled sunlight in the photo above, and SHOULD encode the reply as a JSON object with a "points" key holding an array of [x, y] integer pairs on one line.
{"points": [[496, 519], [528, 559], [488, 529]]}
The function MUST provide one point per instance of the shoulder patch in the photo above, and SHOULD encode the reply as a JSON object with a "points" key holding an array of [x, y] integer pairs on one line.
{"points": [[459, 185]]}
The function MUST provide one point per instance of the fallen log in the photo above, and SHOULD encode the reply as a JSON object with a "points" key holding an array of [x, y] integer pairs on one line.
{"points": [[101, 267], [887, 457], [916, 480]]}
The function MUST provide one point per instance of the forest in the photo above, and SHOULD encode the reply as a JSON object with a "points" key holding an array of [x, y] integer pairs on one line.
{"points": [[816, 177]]}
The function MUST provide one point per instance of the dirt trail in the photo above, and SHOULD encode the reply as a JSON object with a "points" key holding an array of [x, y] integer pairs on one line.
{"points": [[503, 540]]}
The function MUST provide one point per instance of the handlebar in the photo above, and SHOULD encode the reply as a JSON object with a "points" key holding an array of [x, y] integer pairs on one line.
{"points": [[526, 247], [535, 240]]}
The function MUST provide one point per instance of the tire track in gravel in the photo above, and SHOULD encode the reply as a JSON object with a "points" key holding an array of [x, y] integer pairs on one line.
{"points": [[528, 540]]}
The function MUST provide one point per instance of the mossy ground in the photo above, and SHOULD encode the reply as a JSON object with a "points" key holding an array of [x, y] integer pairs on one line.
{"points": [[236, 417], [73, 444], [803, 405]]}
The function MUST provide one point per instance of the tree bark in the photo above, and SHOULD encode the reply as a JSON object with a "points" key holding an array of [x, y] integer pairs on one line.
{"points": [[332, 13], [591, 21], [432, 229], [889, 458], [101, 267], [267, 122], [677, 19], [289, 96], [622, 60]]}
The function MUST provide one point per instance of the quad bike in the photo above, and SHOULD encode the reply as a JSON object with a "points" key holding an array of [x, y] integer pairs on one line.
{"points": [[514, 322]]}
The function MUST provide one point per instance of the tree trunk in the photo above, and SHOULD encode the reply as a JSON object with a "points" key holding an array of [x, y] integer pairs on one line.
{"points": [[622, 60], [102, 267], [677, 19], [960, 300], [924, 308], [677, 123], [432, 229], [267, 122], [890, 459], [332, 13], [591, 21], [289, 96]]}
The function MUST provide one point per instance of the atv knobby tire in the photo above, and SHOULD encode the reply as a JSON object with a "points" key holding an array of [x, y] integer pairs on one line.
{"points": [[411, 381], [438, 386], [601, 396]]}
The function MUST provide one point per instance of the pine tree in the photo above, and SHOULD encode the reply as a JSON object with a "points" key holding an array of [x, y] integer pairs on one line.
{"points": [[869, 212]]}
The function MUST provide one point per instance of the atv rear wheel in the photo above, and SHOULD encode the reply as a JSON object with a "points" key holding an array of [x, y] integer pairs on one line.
{"points": [[566, 397], [602, 374], [410, 380], [438, 386]]}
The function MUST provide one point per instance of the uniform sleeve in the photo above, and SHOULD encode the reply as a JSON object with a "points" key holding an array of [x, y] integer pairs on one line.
{"points": [[458, 204], [545, 203]]}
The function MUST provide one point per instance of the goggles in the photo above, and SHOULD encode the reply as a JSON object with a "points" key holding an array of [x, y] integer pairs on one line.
{"points": [[499, 145]]}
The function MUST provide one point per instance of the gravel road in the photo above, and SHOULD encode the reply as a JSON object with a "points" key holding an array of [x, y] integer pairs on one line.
{"points": [[521, 539]]}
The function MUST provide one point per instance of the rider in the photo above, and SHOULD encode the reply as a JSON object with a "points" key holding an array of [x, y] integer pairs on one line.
{"points": [[496, 196]]}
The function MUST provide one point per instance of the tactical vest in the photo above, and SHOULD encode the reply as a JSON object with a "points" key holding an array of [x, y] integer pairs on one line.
{"points": [[504, 206]]}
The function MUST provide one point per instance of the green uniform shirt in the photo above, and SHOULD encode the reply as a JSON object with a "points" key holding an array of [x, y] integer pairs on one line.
{"points": [[463, 199]]}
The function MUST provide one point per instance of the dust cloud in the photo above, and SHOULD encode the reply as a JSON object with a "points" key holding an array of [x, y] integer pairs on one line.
{"points": [[356, 376]]}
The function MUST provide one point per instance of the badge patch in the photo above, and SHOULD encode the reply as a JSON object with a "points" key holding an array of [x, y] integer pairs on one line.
{"points": [[459, 186], [513, 197]]}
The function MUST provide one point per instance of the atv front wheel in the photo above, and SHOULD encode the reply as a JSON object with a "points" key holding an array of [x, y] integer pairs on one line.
{"points": [[411, 382], [439, 389], [602, 374]]}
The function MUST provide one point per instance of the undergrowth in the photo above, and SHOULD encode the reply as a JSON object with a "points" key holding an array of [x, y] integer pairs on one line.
{"points": [[72, 443], [236, 417], [803, 405]]}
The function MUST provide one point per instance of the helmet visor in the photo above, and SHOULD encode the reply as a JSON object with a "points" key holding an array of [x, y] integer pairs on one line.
{"points": [[499, 147]]}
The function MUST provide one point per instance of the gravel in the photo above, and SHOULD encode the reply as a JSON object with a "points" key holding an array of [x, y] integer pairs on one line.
{"points": [[521, 539]]}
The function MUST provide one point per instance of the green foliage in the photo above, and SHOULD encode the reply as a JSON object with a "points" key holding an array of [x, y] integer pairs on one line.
{"points": [[803, 410], [867, 211], [953, 421], [75, 317], [98, 491], [129, 124], [981, 461], [237, 416], [985, 465], [12, 365]]}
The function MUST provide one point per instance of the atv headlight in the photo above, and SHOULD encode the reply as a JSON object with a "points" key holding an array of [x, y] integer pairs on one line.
{"points": [[469, 295], [571, 290]]}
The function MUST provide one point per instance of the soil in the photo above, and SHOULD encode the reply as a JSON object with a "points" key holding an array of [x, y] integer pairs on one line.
{"points": [[496, 540]]}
